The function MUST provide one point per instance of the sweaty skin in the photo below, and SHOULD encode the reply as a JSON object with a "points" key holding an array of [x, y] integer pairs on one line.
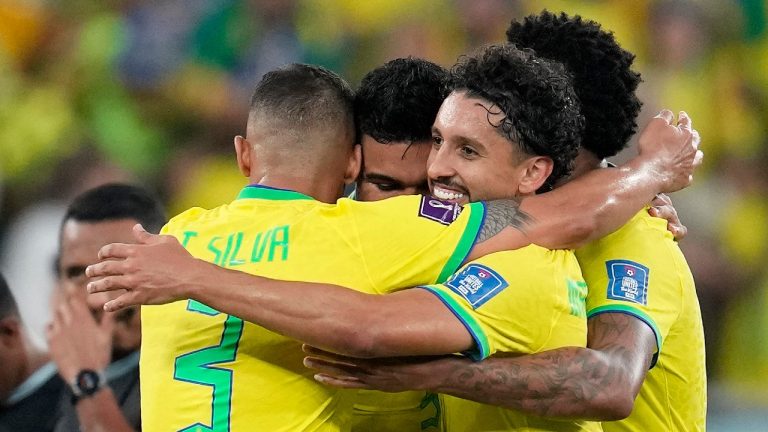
{"points": [[667, 157]]}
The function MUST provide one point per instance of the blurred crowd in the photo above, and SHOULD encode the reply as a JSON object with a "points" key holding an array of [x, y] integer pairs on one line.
{"points": [[152, 92]]}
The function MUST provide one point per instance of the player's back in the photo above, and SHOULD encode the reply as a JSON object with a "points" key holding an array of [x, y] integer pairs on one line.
{"points": [[207, 370], [640, 270]]}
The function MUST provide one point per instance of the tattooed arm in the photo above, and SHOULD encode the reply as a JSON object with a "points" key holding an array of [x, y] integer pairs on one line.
{"points": [[597, 203], [599, 382]]}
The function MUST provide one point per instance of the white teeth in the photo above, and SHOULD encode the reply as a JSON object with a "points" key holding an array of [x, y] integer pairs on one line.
{"points": [[445, 194]]}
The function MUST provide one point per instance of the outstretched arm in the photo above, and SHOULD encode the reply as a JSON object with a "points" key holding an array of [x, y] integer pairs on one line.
{"points": [[601, 201], [599, 382], [332, 317]]}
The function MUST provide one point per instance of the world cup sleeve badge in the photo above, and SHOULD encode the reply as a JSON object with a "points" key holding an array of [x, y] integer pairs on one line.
{"points": [[444, 212], [627, 281], [477, 284]]}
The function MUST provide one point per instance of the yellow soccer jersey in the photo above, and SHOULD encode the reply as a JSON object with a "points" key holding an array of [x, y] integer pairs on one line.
{"points": [[412, 411], [639, 270], [204, 370], [516, 302]]}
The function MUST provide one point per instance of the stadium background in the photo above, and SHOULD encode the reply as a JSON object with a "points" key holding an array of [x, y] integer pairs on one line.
{"points": [[153, 91]]}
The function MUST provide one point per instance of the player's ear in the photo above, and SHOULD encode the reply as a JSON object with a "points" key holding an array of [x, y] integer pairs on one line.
{"points": [[537, 170], [243, 152], [354, 164]]}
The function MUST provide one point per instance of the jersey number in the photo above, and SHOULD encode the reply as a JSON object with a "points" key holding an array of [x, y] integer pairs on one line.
{"points": [[199, 367]]}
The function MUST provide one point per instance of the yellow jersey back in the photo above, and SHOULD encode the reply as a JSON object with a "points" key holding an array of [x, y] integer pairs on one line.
{"points": [[208, 371]]}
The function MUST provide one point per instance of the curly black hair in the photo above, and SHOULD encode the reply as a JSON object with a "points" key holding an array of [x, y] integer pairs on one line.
{"points": [[601, 69], [399, 100], [541, 109]]}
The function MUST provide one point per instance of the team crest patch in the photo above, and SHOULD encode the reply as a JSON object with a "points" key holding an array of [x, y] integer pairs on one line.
{"points": [[627, 281], [437, 210], [477, 284]]}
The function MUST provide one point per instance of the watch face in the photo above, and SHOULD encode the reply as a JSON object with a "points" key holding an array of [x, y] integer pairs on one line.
{"points": [[88, 381]]}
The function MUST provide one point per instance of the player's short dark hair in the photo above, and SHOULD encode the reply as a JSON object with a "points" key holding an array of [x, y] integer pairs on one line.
{"points": [[304, 96], [399, 100], [601, 70], [118, 201], [542, 113], [8, 305]]}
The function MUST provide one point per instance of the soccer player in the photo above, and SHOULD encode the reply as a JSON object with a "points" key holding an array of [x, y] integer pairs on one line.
{"points": [[395, 107], [523, 172], [96, 352], [644, 319]]}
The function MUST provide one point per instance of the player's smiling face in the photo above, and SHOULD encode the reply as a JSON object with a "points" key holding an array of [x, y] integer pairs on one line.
{"points": [[470, 159]]}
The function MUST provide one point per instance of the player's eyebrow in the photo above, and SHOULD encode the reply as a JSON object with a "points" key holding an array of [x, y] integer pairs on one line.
{"points": [[381, 177], [462, 140]]}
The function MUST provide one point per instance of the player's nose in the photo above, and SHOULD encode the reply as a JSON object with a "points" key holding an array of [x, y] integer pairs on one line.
{"points": [[439, 164]]}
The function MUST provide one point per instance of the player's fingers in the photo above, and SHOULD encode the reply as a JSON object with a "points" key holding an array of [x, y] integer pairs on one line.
{"points": [[666, 115], [698, 159], [116, 250], [695, 138], [661, 200], [108, 283], [349, 383], [317, 352], [678, 231], [106, 268], [145, 237], [331, 367], [126, 300], [684, 121], [664, 212]]}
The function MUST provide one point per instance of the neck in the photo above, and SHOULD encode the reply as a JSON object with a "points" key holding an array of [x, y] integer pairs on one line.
{"points": [[318, 188]]}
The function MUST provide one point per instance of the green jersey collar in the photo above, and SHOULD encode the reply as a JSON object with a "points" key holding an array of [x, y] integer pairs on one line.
{"points": [[255, 191]]}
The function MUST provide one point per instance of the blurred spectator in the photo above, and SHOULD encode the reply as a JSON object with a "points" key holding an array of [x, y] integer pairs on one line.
{"points": [[31, 241], [30, 390], [97, 352]]}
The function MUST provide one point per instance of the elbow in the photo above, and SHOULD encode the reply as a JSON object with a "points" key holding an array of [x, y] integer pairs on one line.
{"points": [[614, 406], [359, 344], [361, 339]]}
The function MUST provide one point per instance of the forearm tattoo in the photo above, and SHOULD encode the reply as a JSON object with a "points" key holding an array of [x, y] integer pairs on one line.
{"points": [[500, 214], [566, 383]]}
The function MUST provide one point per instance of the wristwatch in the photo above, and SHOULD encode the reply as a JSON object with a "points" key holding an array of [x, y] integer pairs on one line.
{"points": [[86, 384]]}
